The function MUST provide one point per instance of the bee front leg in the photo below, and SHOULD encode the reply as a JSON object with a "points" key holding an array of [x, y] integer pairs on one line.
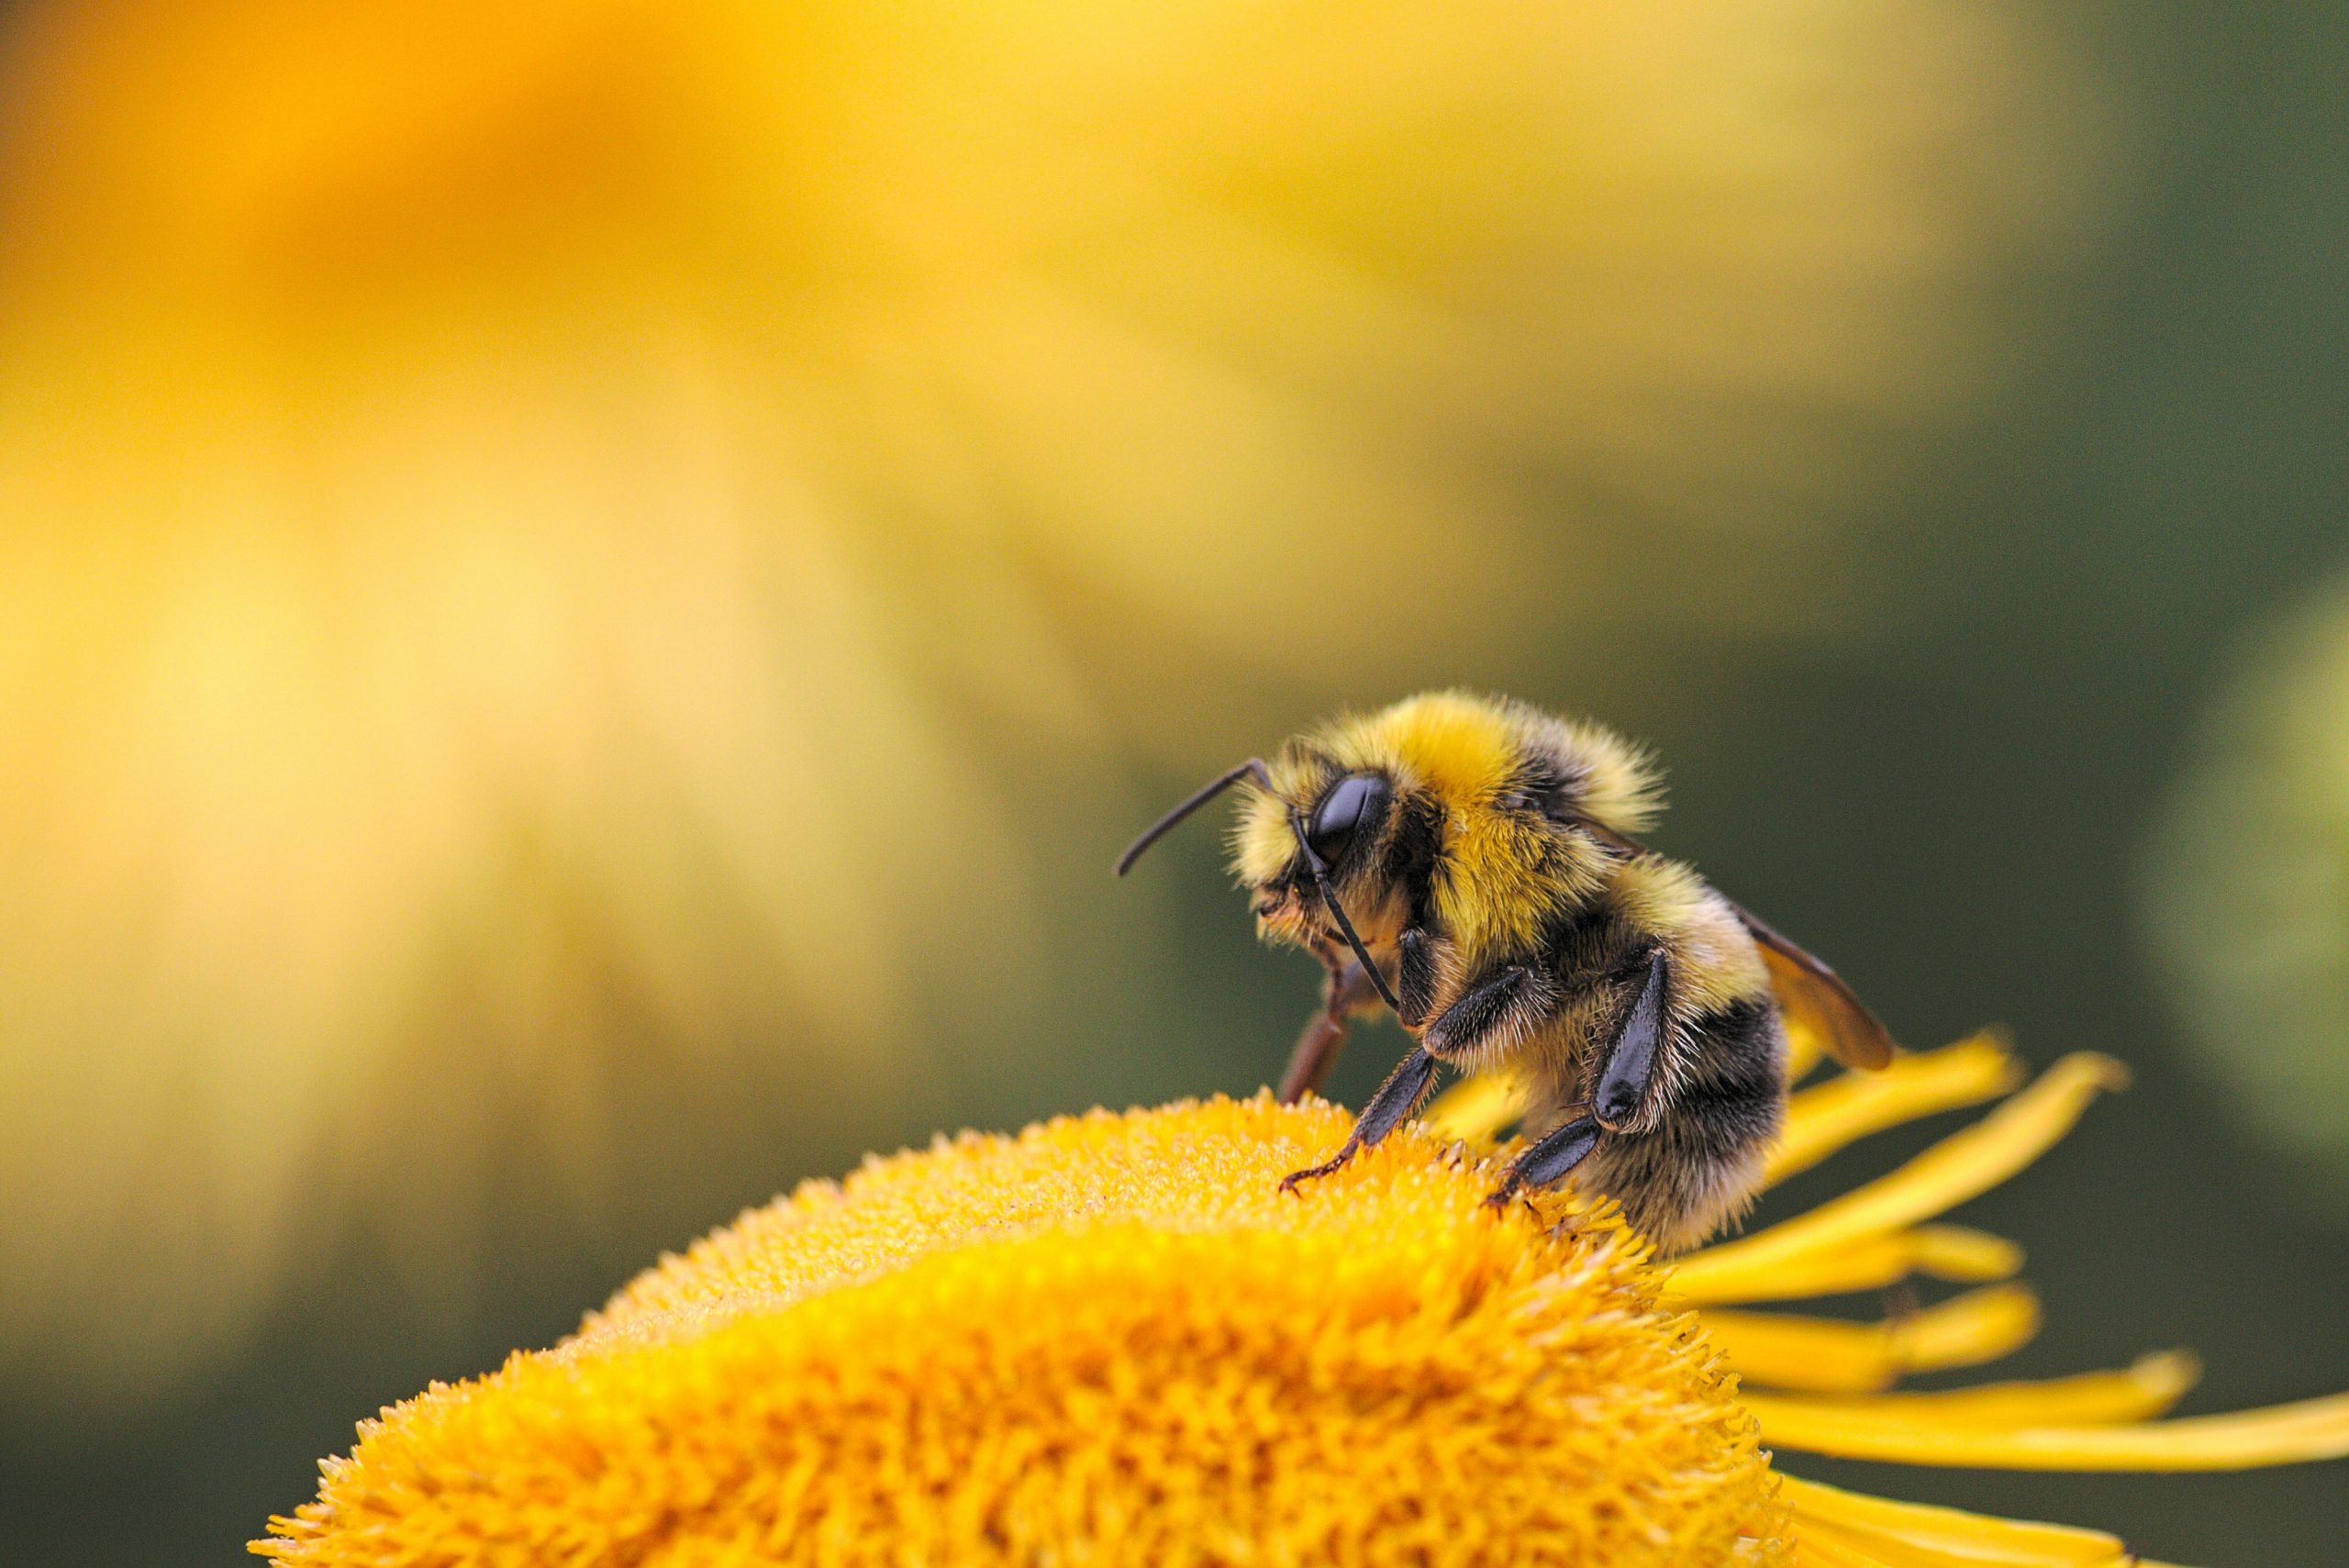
{"points": [[1349, 993], [1415, 975], [1506, 1001], [1396, 1100]]}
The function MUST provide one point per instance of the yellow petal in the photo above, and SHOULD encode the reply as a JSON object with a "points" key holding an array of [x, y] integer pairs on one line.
{"points": [[1842, 1111], [1474, 1109], [1819, 1120], [2138, 1392], [1805, 1050], [1916, 1532], [1815, 1550], [1830, 1356], [1957, 1168], [2279, 1434], [1944, 1251]]}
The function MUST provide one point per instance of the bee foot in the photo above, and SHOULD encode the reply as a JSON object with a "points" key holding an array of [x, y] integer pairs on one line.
{"points": [[1315, 1173]]}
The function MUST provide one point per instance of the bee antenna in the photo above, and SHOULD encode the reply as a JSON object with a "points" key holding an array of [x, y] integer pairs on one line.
{"points": [[1346, 927], [1253, 768]]}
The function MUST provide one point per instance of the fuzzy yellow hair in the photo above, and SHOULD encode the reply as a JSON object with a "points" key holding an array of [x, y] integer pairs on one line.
{"points": [[1506, 874]]}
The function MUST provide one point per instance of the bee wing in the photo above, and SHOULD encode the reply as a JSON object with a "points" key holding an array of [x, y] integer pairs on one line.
{"points": [[1811, 995], [1814, 997]]}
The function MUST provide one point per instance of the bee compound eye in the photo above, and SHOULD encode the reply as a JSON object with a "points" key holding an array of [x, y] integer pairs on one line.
{"points": [[1351, 801]]}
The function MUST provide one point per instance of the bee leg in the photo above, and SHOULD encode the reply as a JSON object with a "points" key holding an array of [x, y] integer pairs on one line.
{"points": [[1414, 976], [1349, 991], [1310, 1059], [1506, 1000], [1623, 1082], [1549, 1159], [1396, 1099], [1622, 1092]]}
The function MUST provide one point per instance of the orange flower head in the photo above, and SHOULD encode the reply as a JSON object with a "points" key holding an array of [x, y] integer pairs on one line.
{"points": [[1110, 1339], [1113, 1340]]}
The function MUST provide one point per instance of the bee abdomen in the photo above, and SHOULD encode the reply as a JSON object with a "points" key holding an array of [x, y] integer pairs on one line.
{"points": [[1700, 1165]]}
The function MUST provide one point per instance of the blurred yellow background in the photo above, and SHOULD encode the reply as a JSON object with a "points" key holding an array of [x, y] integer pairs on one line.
{"points": [[585, 590]]}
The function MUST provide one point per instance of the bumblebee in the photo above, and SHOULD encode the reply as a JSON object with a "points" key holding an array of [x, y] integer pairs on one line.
{"points": [[1472, 865]]}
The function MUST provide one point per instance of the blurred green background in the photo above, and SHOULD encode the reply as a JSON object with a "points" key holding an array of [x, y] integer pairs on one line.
{"points": [[587, 592]]}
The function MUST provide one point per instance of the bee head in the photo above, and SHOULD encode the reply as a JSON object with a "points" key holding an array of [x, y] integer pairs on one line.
{"points": [[1315, 846], [1327, 827], [1473, 818], [1343, 827], [1309, 840]]}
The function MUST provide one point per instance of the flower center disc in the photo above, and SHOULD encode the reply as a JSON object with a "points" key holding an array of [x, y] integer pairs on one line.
{"points": [[1110, 1339]]}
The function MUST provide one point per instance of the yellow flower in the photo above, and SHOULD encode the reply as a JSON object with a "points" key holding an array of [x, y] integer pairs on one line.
{"points": [[541, 535], [1112, 1340]]}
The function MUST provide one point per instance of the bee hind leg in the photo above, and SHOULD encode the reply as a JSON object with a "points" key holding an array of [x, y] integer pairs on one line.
{"points": [[1639, 1035], [1624, 1085], [1549, 1159], [1396, 1100]]}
